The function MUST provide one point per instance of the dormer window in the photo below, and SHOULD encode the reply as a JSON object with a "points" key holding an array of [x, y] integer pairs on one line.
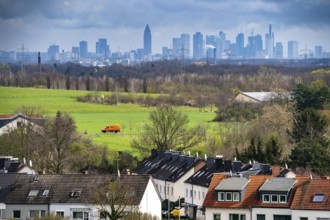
{"points": [[75, 193], [45, 192], [318, 198], [228, 196]]}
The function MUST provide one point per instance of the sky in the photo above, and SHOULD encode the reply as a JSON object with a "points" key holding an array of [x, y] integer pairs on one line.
{"points": [[40, 23]]}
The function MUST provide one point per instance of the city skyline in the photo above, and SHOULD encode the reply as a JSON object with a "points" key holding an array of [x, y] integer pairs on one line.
{"points": [[37, 24]]}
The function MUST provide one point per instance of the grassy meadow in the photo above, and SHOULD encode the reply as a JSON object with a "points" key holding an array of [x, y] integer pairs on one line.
{"points": [[90, 118]]}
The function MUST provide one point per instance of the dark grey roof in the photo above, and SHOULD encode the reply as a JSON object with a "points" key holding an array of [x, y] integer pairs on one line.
{"points": [[6, 180], [62, 186], [167, 165], [232, 183], [204, 175], [279, 184]]}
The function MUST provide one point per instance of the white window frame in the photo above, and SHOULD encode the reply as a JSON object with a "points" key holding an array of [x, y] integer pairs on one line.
{"points": [[83, 215], [214, 214], [221, 196], [263, 198], [59, 211], [275, 196], [279, 198], [39, 213], [233, 197]]}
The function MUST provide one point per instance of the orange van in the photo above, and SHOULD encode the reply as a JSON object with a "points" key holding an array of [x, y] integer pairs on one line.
{"points": [[111, 128]]}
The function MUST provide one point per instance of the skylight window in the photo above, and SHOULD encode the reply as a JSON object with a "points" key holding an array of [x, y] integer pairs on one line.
{"points": [[45, 192], [33, 193], [318, 198], [75, 193]]}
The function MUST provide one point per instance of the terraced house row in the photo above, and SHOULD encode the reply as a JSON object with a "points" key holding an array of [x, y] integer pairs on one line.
{"points": [[208, 188]]}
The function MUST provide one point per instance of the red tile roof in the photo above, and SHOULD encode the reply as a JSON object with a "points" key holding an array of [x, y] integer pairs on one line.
{"points": [[250, 198], [303, 199]]}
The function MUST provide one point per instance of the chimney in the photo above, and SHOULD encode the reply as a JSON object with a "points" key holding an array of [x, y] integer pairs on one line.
{"points": [[228, 165], [276, 171]]}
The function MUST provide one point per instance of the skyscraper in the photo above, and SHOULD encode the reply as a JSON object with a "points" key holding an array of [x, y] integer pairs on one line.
{"points": [[269, 38], [279, 50], [221, 44], [102, 48], [240, 44], [83, 49], [147, 41], [53, 52], [292, 49], [176, 45], [198, 45], [185, 47]]}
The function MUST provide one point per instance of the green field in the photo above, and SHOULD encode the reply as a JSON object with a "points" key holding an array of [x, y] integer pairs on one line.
{"points": [[91, 118]]}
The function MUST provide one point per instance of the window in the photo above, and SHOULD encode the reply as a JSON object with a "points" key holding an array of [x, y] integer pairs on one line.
{"points": [[221, 196], [60, 214], [237, 217], [33, 193], [172, 191], [45, 192], [199, 195], [194, 194], [216, 217], [318, 198], [282, 198], [37, 213], [235, 196], [19, 124], [80, 215], [261, 217], [282, 217], [1, 211], [168, 190], [75, 192], [303, 218], [190, 193], [17, 214], [274, 198], [186, 192], [229, 196], [203, 195], [265, 198]]}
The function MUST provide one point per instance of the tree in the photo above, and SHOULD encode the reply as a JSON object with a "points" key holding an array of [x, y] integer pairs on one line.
{"points": [[167, 129], [116, 199], [273, 151]]}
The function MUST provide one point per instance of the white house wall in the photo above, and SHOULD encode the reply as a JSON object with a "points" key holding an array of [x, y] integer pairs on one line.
{"points": [[209, 213], [151, 202], [198, 194], [310, 214], [13, 125], [25, 210], [270, 212], [67, 208]]}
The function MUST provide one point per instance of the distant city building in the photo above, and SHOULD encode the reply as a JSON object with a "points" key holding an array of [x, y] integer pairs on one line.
{"points": [[211, 40], [240, 45], [75, 53], [293, 50], [279, 50], [53, 52], [147, 41], [102, 49], [318, 52], [198, 45], [185, 47], [165, 52], [254, 46], [269, 43], [83, 49], [221, 45], [176, 45]]}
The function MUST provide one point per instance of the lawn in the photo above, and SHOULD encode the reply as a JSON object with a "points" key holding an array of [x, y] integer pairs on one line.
{"points": [[91, 118]]}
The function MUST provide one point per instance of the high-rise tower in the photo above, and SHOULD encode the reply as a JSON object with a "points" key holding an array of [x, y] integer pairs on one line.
{"points": [[147, 41], [198, 45], [269, 38], [83, 49]]}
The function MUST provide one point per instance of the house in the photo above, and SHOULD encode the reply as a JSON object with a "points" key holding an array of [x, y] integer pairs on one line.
{"points": [[11, 122], [70, 195], [197, 185], [312, 200], [170, 169], [9, 164], [6, 181], [231, 198], [259, 97]]}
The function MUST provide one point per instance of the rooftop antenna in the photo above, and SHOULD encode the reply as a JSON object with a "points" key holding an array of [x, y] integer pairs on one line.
{"points": [[205, 156]]}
